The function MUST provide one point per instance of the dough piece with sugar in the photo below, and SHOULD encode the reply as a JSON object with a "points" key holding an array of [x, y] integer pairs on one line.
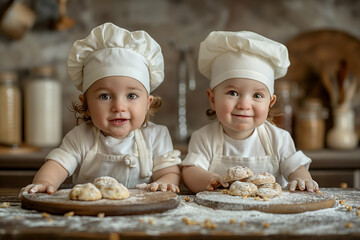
{"points": [[115, 191], [268, 190], [85, 192], [102, 181], [239, 188], [238, 173], [261, 178]]}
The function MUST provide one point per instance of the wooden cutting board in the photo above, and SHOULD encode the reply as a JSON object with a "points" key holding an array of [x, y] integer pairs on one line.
{"points": [[140, 202], [288, 202]]}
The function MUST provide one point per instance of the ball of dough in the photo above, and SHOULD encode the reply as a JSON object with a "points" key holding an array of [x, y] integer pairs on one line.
{"points": [[238, 173], [262, 178], [242, 188], [269, 190], [102, 181], [85, 192], [114, 191]]}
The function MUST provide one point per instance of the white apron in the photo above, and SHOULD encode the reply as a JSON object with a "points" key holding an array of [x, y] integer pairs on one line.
{"points": [[128, 169], [268, 163]]}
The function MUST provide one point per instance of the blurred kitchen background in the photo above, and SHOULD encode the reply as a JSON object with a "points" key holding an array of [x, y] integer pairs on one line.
{"points": [[319, 96]]}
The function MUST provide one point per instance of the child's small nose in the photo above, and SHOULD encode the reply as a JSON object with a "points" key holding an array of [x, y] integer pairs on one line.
{"points": [[243, 103], [118, 106]]}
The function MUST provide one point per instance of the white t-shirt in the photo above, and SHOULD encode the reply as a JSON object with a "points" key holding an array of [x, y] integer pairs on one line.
{"points": [[202, 146], [80, 139]]}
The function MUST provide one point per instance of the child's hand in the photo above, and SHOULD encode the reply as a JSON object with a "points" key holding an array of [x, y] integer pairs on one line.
{"points": [[301, 184], [34, 188], [216, 182], [157, 186]]}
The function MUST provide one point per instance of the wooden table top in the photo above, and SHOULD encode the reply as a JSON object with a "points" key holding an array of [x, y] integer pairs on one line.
{"points": [[188, 221]]}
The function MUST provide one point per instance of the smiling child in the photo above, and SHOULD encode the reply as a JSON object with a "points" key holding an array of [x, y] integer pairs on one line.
{"points": [[242, 67]]}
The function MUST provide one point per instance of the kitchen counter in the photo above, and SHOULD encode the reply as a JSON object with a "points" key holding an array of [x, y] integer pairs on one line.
{"points": [[334, 223]]}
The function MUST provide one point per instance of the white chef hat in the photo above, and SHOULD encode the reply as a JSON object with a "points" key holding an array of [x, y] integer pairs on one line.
{"points": [[224, 55], [113, 51]]}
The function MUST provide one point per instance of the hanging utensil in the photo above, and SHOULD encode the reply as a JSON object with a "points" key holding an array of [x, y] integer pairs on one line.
{"points": [[17, 19], [64, 21]]}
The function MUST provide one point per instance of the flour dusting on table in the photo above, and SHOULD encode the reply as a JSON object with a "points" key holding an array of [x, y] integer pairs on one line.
{"points": [[329, 221]]}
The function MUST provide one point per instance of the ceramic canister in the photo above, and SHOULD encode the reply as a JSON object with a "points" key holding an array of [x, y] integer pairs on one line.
{"points": [[43, 115]]}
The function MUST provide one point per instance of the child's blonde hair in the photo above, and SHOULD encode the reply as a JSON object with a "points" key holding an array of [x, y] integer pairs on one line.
{"points": [[80, 110]]}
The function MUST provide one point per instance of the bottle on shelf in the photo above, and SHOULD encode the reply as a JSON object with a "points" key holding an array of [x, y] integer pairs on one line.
{"points": [[10, 110]]}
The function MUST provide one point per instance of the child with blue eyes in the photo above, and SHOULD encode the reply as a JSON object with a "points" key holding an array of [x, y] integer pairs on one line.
{"points": [[115, 70], [242, 67]]}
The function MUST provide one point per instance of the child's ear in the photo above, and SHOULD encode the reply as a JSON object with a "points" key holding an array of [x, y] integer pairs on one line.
{"points": [[151, 98], [273, 100], [210, 94], [82, 98]]}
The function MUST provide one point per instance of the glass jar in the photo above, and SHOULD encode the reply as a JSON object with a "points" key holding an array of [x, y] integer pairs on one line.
{"points": [[43, 115], [10, 110], [342, 135], [310, 125]]}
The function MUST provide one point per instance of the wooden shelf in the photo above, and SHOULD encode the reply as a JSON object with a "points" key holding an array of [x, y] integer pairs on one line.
{"points": [[329, 158]]}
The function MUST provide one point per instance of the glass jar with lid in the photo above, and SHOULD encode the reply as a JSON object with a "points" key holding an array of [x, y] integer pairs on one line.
{"points": [[10, 110], [43, 114], [310, 125]]}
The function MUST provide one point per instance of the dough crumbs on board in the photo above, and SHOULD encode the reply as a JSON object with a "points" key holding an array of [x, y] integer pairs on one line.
{"points": [[209, 224], [266, 225], [187, 221], [348, 207], [358, 213], [45, 215], [349, 225], [69, 214], [5, 205]]}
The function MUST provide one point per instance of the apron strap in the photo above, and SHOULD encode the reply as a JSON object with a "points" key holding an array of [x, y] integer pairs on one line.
{"points": [[219, 146], [94, 148], [144, 159], [265, 140], [219, 141]]}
